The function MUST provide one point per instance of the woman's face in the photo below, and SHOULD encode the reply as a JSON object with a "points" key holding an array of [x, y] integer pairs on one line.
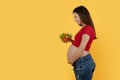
{"points": [[77, 19]]}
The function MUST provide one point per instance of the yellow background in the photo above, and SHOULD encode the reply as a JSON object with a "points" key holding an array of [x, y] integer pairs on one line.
{"points": [[30, 48]]}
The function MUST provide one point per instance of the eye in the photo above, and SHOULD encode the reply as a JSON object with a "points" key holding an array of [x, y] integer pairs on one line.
{"points": [[75, 16]]}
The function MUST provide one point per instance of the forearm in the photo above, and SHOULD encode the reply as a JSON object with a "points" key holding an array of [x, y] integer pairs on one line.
{"points": [[71, 40]]}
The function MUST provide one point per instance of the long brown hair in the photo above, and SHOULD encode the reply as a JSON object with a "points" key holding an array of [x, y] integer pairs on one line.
{"points": [[85, 16]]}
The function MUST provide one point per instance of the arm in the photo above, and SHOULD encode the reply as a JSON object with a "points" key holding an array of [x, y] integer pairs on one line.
{"points": [[79, 52]]}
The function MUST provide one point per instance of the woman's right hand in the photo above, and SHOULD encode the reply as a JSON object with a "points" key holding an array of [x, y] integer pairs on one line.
{"points": [[66, 37], [66, 40]]}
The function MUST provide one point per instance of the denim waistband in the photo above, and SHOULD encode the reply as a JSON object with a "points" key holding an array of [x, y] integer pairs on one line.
{"points": [[83, 59]]}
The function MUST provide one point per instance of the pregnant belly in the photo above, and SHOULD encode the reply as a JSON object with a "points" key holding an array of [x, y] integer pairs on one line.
{"points": [[71, 50]]}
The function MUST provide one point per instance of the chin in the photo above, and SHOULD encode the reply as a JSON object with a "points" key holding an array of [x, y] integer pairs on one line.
{"points": [[80, 24]]}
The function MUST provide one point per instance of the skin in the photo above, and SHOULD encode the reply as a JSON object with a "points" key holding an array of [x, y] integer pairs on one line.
{"points": [[80, 52]]}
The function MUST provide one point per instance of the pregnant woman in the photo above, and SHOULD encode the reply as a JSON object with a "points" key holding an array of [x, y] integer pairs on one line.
{"points": [[78, 53]]}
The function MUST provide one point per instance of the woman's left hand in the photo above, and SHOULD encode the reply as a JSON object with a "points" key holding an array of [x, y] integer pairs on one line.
{"points": [[70, 62]]}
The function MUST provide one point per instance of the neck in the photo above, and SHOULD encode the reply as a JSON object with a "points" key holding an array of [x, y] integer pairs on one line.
{"points": [[83, 24]]}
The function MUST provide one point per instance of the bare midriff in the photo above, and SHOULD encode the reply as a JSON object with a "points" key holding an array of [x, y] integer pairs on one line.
{"points": [[71, 51]]}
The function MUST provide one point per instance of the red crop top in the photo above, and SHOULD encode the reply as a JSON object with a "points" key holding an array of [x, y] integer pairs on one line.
{"points": [[85, 30]]}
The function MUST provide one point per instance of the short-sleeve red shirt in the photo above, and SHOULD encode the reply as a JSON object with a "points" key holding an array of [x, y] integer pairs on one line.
{"points": [[78, 37]]}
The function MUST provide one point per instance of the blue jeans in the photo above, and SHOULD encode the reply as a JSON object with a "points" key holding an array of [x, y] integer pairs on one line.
{"points": [[84, 68]]}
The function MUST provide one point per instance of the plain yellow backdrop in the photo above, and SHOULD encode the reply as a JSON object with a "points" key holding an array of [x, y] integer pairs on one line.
{"points": [[30, 48]]}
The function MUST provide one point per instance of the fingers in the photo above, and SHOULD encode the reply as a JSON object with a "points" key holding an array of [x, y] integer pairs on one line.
{"points": [[65, 41]]}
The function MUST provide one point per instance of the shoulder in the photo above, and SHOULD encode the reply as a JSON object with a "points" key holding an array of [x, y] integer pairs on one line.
{"points": [[88, 30]]}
